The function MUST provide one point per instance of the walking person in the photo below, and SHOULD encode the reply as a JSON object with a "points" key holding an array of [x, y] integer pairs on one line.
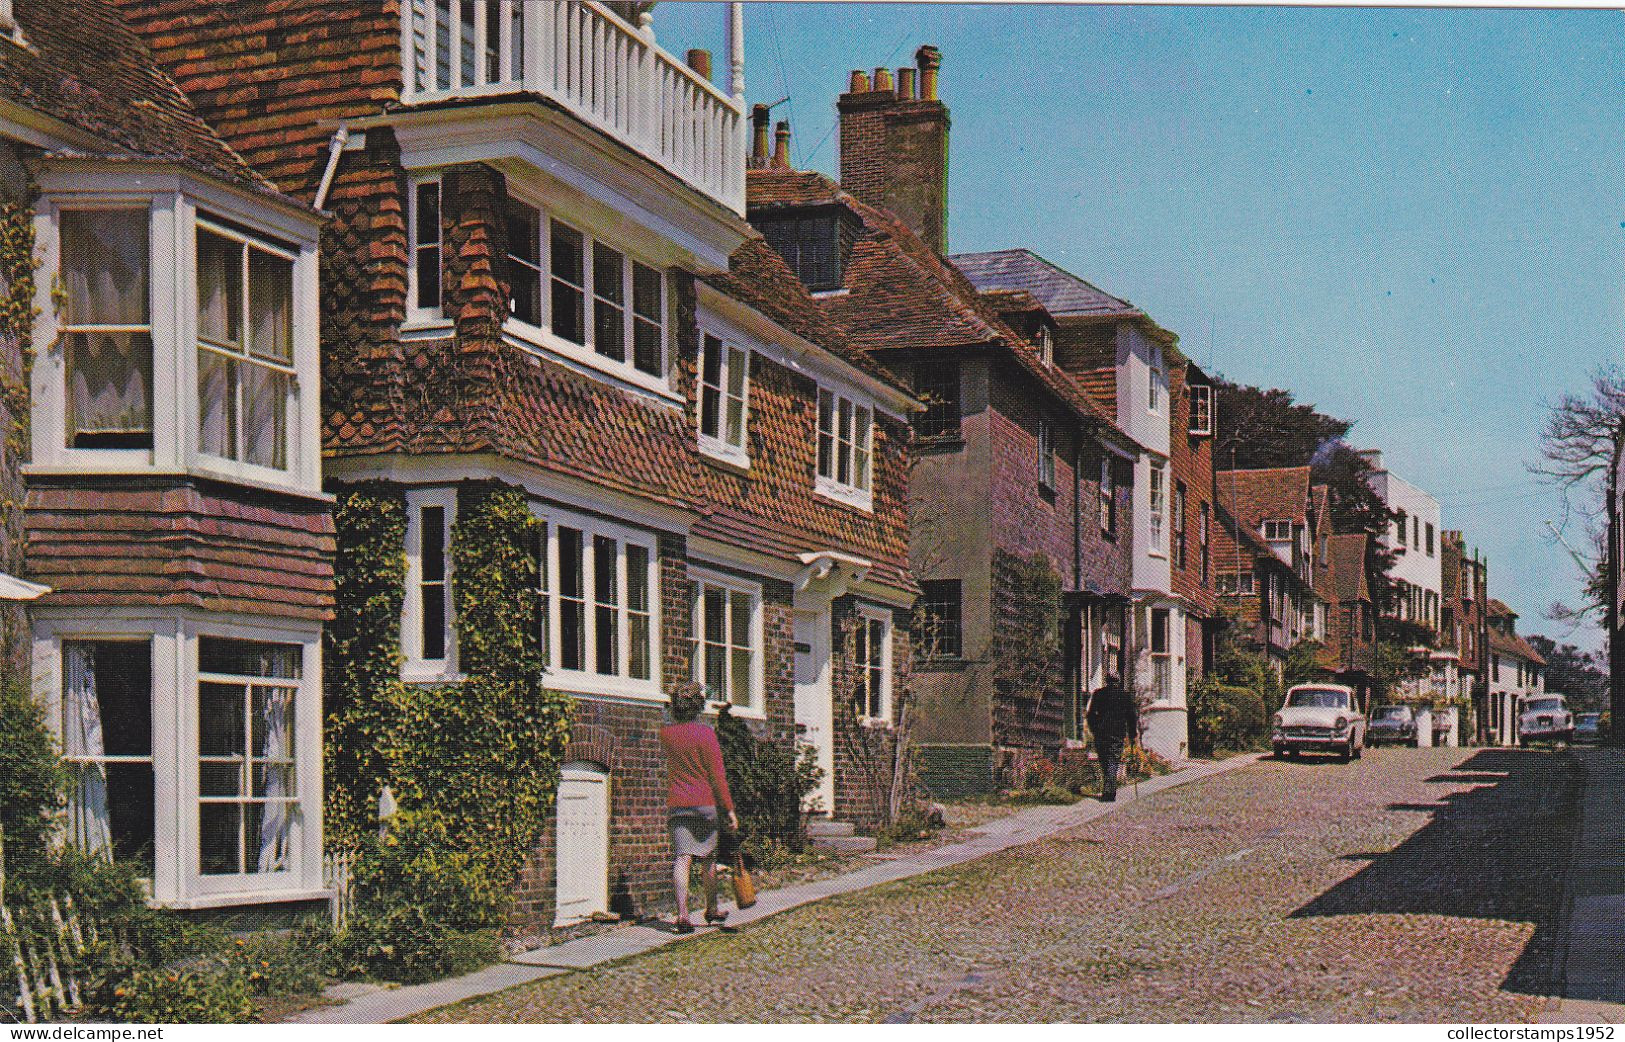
{"points": [[1113, 716], [698, 791]]}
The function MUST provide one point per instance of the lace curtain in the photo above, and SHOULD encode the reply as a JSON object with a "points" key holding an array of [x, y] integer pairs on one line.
{"points": [[89, 826]]}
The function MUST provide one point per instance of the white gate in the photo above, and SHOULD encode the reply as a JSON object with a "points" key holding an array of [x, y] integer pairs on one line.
{"points": [[582, 850]]}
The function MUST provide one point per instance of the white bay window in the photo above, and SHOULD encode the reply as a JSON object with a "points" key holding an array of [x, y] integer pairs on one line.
{"points": [[194, 752], [584, 297], [179, 287]]}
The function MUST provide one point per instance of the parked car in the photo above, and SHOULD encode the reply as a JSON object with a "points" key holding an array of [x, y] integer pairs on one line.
{"points": [[1588, 729], [1322, 718], [1544, 718], [1392, 725]]}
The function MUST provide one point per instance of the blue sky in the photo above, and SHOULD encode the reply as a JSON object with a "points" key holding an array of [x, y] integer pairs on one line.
{"points": [[1410, 218]]}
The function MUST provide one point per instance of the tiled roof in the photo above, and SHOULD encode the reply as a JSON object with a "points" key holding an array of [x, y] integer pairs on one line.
{"points": [[1062, 293], [1498, 608], [901, 295], [758, 276], [1256, 496], [84, 66], [1348, 578], [1224, 543], [1515, 646]]}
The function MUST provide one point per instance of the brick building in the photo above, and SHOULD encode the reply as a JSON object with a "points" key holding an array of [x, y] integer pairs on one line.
{"points": [[1013, 462], [1351, 623], [173, 487], [1133, 370], [538, 273], [1266, 557], [1464, 624]]}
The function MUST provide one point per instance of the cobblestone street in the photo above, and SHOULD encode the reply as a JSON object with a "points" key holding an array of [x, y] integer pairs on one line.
{"points": [[1413, 885]]}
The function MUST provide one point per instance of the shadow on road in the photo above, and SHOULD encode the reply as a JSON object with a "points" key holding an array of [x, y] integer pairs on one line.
{"points": [[1498, 851]]}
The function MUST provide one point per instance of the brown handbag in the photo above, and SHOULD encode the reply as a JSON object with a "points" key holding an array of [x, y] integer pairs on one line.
{"points": [[744, 886]]}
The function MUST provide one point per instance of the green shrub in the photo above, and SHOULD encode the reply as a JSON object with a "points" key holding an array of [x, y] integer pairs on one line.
{"points": [[31, 778], [768, 781], [1225, 716], [209, 993], [409, 942], [284, 963]]}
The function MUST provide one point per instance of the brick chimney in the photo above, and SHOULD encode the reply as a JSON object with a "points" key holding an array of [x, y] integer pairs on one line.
{"points": [[894, 146]]}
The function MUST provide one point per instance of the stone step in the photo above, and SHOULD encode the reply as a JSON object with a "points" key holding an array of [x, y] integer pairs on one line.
{"points": [[825, 827], [844, 844]]}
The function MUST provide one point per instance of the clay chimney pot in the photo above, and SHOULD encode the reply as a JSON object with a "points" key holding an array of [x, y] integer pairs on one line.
{"points": [[929, 59], [781, 145], [699, 60], [860, 82], [883, 79], [905, 83], [758, 136]]}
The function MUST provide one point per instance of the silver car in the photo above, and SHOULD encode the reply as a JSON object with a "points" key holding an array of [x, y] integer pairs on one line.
{"points": [[1322, 718], [1544, 718]]}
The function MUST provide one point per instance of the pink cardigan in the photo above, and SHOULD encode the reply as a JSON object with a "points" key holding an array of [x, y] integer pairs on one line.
{"points": [[694, 767]]}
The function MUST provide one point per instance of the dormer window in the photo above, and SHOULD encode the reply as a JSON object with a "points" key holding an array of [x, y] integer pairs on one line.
{"points": [[1046, 345], [1278, 531], [815, 246]]}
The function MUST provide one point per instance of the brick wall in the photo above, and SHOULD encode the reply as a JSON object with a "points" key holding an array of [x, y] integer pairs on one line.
{"points": [[864, 751], [1192, 465]]}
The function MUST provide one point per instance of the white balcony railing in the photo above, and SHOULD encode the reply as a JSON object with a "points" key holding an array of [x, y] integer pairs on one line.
{"points": [[601, 69]]}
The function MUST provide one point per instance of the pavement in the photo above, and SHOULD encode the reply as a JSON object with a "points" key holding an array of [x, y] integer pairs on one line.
{"points": [[1592, 941], [382, 1005]]}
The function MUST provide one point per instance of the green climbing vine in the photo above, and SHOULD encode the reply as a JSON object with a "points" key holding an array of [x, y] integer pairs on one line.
{"points": [[473, 764]]}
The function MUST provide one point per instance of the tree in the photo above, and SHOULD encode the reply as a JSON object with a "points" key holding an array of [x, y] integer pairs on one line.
{"points": [[1570, 671], [1581, 449]]}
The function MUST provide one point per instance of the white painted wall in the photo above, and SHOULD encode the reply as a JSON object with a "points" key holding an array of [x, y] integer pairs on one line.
{"points": [[1414, 565]]}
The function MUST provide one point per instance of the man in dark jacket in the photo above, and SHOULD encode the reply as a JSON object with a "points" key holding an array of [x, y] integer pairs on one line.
{"points": [[1113, 717]]}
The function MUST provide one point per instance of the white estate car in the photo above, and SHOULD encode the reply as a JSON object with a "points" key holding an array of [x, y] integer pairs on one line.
{"points": [[1544, 718], [1322, 718]]}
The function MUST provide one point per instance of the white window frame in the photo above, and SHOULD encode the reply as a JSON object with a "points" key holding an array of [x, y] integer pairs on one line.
{"points": [[416, 314], [415, 667], [830, 485], [1275, 525], [177, 881], [1157, 380], [1201, 418], [1107, 497], [175, 204], [1162, 662], [1156, 517], [586, 681], [586, 354], [1046, 455], [702, 580], [733, 352], [866, 614]]}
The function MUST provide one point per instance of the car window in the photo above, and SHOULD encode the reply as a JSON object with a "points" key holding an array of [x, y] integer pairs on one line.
{"points": [[1393, 713], [1538, 705], [1317, 698]]}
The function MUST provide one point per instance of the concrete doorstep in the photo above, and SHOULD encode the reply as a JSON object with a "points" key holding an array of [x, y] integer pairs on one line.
{"points": [[1027, 826]]}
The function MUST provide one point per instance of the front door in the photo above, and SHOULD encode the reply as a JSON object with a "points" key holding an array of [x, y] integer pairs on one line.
{"points": [[815, 716], [581, 853]]}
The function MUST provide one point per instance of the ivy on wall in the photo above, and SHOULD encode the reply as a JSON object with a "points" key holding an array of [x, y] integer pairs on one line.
{"points": [[474, 764]]}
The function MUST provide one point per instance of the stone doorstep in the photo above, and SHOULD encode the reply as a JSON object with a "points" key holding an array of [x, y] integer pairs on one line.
{"points": [[584, 953]]}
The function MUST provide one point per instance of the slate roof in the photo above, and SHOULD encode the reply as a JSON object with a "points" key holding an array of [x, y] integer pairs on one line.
{"points": [[1348, 578], [1274, 494], [901, 295], [1062, 293], [84, 66]]}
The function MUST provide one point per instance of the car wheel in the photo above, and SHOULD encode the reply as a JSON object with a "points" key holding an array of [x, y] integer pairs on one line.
{"points": [[1292, 754], [1345, 754], [1359, 749]]}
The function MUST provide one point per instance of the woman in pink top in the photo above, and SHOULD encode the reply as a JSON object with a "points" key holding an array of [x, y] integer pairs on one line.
{"points": [[698, 790]]}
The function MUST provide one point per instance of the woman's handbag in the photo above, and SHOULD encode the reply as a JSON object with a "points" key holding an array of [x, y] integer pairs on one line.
{"points": [[744, 886]]}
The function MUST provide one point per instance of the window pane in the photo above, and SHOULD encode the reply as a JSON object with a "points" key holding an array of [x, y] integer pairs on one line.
{"points": [[267, 826], [638, 639], [735, 434], [604, 570], [434, 621], [568, 280], [217, 403], [737, 364], [716, 671], [572, 610], [130, 793], [428, 215], [740, 620], [647, 305], [637, 577], [432, 543], [270, 306], [272, 732], [826, 433], [105, 262], [646, 292], [716, 628], [109, 390], [710, 381], [221, 728], [609, 318], [739, 680], [427, 234], [860, 449], [219, 289], [524, 263], [605, 594], [220, 838], [606, 642], [265, 416], [843, 455], [220, 779], [250, 658]]}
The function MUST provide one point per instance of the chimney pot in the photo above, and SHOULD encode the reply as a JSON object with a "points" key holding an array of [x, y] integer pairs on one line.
{"points": [[905, 83], [781, 145], [860, 82], [699, 59], [882, 79], [929, 59], [758, 136]]}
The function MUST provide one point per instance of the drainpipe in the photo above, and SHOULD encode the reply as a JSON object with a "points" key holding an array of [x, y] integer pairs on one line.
{"points": [[335, 149]]}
